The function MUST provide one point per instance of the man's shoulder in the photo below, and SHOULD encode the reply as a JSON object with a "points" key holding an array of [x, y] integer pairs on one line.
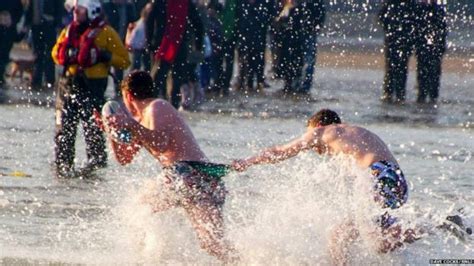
{"points": [[160, 103], [161, 107]]}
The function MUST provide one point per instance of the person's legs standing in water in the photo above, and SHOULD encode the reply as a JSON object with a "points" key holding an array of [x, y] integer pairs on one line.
{"points": [[94, 138], [430, 47], [260, 62], [397, 22], [159, 72], [309, 61], [44, 35], [76, 101], [226, 66]]}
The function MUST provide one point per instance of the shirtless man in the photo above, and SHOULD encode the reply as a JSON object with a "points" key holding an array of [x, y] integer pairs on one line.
{"points": [[189, 179], [327, 135]]}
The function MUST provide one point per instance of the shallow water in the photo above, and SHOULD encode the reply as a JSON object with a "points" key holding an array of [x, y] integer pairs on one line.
{"points": [[275, 214]]}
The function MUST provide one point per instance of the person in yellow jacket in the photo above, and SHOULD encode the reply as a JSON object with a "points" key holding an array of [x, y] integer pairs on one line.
{"points": [[87, 48]]}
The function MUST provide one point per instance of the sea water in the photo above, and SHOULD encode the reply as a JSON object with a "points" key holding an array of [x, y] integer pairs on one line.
{"points": [[274, 214]]}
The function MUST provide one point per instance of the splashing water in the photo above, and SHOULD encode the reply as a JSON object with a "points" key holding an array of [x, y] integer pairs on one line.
{"points": [[283, 214], [275, 214]]}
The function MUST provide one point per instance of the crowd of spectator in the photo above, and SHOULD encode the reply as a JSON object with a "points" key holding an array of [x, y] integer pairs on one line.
{"points": [[192, 48]]}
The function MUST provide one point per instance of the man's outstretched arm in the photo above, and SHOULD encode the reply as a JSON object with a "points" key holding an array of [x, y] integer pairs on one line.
{"points": [[277, 153]]}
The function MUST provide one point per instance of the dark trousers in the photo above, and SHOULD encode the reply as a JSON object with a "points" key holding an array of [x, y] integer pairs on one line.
{"points": [[252, 61], [160, 72], [141, 58], [208, 71], [309, 62], [291, 61], [76, 99], [44, 37], [226, 65], [426, 35], [7, 36], [118, 77], [259, 55]]}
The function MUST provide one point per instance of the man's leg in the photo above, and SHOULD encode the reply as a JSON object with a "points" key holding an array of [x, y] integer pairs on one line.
{"points": [[341, 238], [205, 74], [49, 67], [227, 66], [394, 237], [397, 53], [260, 59], [94, 137], [136, 59], [39, 51], [180, 75], [252, 66], [146, 58], [430, 48], [244, 67], [43, 42], [206, 219], [67, 118], [428, 75], [118, 79], [309, 62], [156, 196], [159, 73]]}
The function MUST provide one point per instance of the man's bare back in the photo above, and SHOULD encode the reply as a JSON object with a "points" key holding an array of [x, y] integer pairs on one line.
{"points": [[364, 146], [360, 143], [181, 144], [326, 134], [187, 180]]}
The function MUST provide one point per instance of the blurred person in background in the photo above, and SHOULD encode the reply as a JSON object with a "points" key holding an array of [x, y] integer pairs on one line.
{"points": [[213, 41], [136, 41], [252, 42], [314, 15], [44, 18], [170, 28], [192, 94], [288, 25], [10, 14], [418, 25], [86, 48], [225, 58], [119, 14]]}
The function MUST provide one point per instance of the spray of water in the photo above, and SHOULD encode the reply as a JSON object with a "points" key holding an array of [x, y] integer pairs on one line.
{"points": [[281, 214]]}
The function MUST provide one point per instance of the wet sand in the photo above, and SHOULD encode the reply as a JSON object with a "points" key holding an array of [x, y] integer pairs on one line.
{"points": [[452, 63]]}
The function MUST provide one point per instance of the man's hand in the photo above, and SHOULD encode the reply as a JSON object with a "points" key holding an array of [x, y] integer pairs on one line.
{"points": [[119, 121], [240, 165]]}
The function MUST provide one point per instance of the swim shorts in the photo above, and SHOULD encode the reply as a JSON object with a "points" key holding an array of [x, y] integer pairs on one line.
{"points": [[196, 183], [389, 184]]}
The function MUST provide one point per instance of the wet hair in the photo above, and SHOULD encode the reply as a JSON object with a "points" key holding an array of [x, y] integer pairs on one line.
{"points": [[139, 84], [324, 117]]}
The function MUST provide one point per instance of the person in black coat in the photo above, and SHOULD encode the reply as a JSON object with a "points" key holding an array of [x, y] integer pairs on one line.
{"points": [[290, 39], [10, 14], [120, 13], [409, 25], [45, 18], [252, 33], [314, 14]]}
